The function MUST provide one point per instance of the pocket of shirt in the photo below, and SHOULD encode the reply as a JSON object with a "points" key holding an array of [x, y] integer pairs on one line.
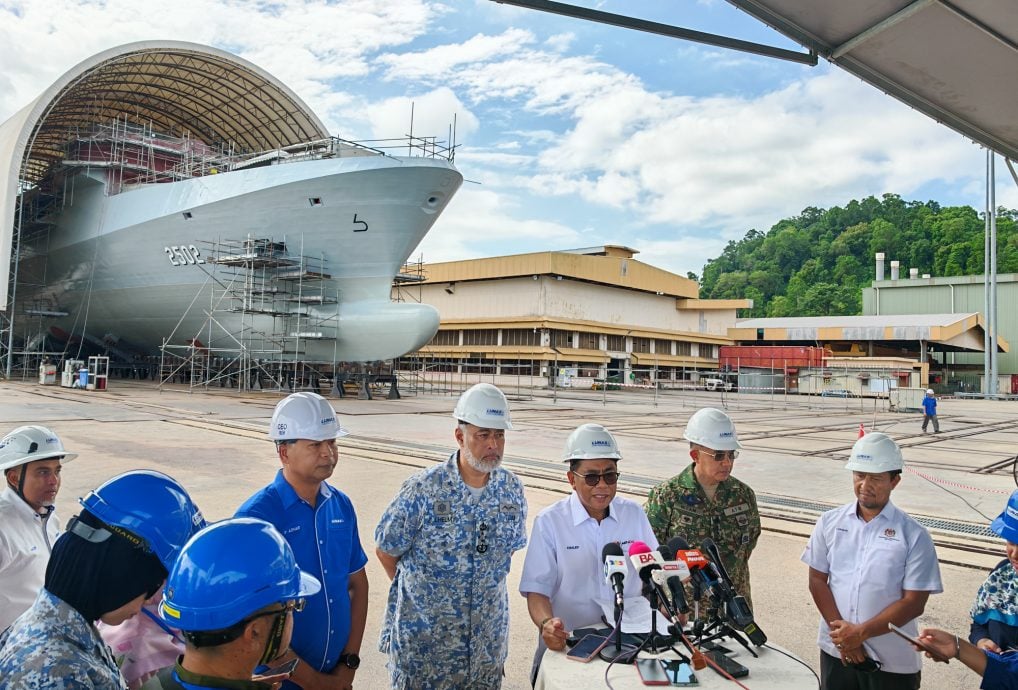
{"points": [[887, 562]]}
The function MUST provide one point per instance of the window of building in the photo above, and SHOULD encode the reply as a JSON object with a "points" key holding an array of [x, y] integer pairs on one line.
{"points": [[482, 336], [616, 343], [663, 347], [709, 351], [641, 344], [590, 341], [446, 338], [521, 336], [682, 348], [561, 339]]}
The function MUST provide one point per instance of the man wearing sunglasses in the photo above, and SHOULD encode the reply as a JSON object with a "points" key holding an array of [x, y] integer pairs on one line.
{"points": [[562, 573], [705, 500], [233, 592], [447, 541]]}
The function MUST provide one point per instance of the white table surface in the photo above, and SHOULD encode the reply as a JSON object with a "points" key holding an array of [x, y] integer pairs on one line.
{"points": [[772, 671]]}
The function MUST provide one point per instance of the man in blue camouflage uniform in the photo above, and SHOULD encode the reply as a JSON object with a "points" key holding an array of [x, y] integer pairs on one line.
{"points": [[704, 500], [447, 541]]}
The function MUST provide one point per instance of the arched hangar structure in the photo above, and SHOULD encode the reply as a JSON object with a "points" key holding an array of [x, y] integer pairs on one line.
{"points": [[174, 88]]}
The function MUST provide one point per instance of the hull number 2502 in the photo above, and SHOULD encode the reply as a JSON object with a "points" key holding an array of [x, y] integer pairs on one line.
{"points": [[184, 255]]}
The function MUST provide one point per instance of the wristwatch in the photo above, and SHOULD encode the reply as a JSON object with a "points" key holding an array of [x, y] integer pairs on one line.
{"points": [[350, 660]]}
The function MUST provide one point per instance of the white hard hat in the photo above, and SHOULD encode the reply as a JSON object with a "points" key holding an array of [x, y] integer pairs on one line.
{"points": [[929, 391], [305, 415], [30, 443], [875, 452], [712, 429], [483, 406], [592, 442]]}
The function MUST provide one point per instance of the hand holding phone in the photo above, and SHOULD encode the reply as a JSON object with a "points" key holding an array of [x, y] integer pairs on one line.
{"points": [[277, 673], [916, 642]]}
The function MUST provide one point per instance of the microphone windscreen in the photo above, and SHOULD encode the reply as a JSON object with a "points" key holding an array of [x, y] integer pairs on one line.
{"points": [[638, 547], [611, 549], [678, 544]]}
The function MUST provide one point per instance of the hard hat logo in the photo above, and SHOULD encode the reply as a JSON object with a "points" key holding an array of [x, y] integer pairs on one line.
{"points": [[1012, 513], [1006, 524], [495, 411], [603, 443]]}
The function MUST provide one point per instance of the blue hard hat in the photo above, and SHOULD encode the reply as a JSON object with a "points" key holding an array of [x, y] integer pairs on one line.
{"points": [[1006, 524], [150, 506], [230, 570]]}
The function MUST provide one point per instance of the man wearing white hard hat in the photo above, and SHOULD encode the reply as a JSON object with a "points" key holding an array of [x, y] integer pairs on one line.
{"points": [[561, 573], [319, 522], [870, 564], [930, 411], [31, 458], [706, 501], [447, 541]]}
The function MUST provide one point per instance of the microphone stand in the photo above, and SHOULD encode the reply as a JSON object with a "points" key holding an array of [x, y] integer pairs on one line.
{"points": [[619, 655], [717, 628], [655, 641]]}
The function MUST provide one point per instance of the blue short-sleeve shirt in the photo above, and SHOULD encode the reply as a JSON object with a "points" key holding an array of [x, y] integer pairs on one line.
{"points": [[326, 544]]}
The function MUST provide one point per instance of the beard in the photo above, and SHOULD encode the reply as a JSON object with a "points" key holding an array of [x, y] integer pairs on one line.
{"points": [[479, 464]]}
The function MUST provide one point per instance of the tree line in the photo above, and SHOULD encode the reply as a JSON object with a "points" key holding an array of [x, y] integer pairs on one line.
{"points": [[816, 263]]}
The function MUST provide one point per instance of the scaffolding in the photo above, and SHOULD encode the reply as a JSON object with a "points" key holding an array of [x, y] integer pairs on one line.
{"points": [[265, 305]]}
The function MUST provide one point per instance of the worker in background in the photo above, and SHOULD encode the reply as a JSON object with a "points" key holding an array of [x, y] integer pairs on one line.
{"points": [[31, 458], [447, 541], [233, 593], [319, 522], [930, 411], [114, 555], [568, 541], [870, 564], [705, 500]]}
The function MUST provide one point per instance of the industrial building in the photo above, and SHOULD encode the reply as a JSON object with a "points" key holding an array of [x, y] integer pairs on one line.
{"points": [[579, 316]]}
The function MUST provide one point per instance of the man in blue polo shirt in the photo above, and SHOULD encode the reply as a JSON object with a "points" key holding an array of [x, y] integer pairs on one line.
{"points": [[930, 411], [319, 522]]}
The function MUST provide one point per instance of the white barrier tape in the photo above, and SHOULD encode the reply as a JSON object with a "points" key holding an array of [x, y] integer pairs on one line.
{"points": [[955, 484]]}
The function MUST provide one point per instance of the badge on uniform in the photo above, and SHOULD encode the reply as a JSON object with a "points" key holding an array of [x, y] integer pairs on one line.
{"points": [[735, 510], [443, 510], [691, 499], [510, 508]]}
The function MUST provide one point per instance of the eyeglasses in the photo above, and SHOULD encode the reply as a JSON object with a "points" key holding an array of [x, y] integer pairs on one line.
{"points": [[482, 538], [295, 605], [720, 455], [593, 479]]}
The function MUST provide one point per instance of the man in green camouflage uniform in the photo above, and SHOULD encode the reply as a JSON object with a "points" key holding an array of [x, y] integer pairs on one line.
{"points": [[704, 500]]}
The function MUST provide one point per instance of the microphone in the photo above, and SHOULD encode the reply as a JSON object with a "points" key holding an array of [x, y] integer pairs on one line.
{"points": [[615, 571], [712, 550], [644, 560], [698, 565], [671, 575]]}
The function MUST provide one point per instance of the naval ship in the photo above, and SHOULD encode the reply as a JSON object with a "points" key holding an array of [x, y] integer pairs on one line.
{"points": [[144, 240]]}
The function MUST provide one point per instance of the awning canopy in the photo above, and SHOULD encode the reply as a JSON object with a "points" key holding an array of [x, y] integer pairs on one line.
{"points": [[176, 88], [952, 60]]}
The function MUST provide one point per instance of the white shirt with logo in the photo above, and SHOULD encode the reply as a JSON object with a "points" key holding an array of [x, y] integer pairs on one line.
{"points": [[26, 539], [869, 565]]}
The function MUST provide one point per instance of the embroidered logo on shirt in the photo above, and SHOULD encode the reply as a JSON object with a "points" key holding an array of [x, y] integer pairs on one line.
{"points": [[735, 510], [509, 508], [443, 511], [889, 533], [572, 548], [291, 530]]}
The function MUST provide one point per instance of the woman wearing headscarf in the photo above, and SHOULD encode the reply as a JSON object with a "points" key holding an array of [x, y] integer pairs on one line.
{"points": [[995, 611], [114, 555]]}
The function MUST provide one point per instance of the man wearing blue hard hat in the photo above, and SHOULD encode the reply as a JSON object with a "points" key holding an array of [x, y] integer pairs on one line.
{"points": [[114, 555], [319, 522], [232, 593]]}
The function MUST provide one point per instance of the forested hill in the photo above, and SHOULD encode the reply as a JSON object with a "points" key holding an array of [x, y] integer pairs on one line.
{"points": [[816, 263]]}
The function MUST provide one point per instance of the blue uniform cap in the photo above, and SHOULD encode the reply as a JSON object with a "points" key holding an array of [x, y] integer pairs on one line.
{"points": [[1006, 524]]}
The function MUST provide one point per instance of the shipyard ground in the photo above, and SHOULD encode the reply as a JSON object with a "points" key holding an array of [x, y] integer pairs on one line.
{"points": [[215, 444]]}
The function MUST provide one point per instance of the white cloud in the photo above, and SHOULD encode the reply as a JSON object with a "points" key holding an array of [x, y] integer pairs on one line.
{"points": [[433, 115]]}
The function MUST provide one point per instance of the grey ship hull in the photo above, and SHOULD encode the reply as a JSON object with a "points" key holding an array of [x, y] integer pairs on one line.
{"points": [[136, 266]]}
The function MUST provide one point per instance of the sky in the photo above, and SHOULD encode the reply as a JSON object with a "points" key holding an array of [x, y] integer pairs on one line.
{"points": [[570, 133]]}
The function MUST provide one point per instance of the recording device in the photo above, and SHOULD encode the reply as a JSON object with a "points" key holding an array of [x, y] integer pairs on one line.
{"points": [[719, 584], [587, 648], [644, 560], [727, 664], [280, 672], [615, 571], [680, 673], [670, 578], [651, 672]]}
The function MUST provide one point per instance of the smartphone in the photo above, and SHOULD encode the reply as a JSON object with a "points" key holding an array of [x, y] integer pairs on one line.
{"points": [[280, 672], [651, 672], [937, 656], [680, 674], [587, 648], [728, 664], [711, 645]]}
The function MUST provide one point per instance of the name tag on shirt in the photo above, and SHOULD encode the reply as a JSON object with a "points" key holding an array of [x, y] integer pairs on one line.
{"points": [[735, 510]]}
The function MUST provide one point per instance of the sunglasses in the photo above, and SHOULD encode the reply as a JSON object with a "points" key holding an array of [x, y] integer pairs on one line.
{"points": [[721, 455], [295, 605], [594, 479]]}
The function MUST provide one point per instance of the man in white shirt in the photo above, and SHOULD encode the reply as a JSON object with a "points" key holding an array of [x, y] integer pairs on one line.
{"points": [[870, 564], [562, 573], [31, 459]]}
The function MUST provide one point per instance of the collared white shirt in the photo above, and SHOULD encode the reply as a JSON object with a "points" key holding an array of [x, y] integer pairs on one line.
{"points": [[26, 539], [869, 565], [564, 563]]}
